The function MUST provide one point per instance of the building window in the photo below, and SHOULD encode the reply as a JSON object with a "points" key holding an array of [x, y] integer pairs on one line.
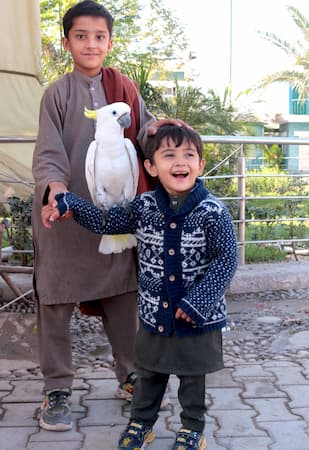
{"points": [[297, 107]]}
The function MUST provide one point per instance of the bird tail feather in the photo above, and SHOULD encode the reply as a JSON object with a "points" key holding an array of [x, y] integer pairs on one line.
{"points": [[116, 244]]}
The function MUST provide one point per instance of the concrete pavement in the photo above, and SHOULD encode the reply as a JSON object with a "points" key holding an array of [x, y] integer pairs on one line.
{"points": [[259, 402], [250, 406]]}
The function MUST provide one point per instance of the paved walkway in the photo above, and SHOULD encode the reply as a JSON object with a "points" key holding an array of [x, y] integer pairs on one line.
{"points": [[250, 406], [255, 404]]}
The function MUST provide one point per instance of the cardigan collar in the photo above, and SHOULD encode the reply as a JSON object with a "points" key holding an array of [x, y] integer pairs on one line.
{"points": [[197, 194]]}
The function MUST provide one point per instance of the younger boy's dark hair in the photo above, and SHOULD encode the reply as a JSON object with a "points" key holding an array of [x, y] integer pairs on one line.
{"points": [[173, 133], [86, 8]]}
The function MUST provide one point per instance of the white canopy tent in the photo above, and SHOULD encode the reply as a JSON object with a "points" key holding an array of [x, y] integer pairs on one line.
{"points": [[20, 93]]}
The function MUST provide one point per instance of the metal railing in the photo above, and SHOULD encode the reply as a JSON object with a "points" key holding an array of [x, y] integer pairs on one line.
{"points": [[241, 176]]}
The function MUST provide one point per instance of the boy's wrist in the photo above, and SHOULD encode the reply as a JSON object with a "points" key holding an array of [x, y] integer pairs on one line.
{"points": [[63, 202], [57, 187]]}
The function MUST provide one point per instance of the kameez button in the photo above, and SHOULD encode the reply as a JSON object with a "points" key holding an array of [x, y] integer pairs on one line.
{"points": [[161, 328], [172, 278], [173, 225], [165, 305], [171, 252]]}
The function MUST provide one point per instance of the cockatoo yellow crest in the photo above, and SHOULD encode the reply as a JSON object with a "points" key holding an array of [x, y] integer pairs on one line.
{"points": [[111, 167]]}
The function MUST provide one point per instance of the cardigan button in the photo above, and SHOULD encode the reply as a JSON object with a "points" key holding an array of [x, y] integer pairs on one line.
{"points": [[165, 305], [173, 225], [172, 278], [171, 252], [161, 328]]}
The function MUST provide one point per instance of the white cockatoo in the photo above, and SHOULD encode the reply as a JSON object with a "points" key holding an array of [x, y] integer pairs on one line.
{"points": [[111, 167]]}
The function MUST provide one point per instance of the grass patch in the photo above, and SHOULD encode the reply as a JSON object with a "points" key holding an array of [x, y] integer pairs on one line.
{"points": [[259, 253]]}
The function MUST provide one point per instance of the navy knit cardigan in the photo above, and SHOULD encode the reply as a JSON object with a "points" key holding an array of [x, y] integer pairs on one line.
{"points": [[186, 258]]}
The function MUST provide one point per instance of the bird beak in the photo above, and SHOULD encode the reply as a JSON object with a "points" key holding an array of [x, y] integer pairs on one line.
{"points": [[124, 120], [89, 113]]}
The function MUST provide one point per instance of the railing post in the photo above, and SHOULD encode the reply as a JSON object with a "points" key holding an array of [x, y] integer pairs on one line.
{"points": [[242, 206]]}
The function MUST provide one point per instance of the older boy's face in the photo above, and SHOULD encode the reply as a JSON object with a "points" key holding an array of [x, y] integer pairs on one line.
{"points": [[176, 167], [89, 42]]}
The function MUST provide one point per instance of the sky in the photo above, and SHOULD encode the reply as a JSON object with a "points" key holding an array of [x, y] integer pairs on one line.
{"points": [[208, 26]]}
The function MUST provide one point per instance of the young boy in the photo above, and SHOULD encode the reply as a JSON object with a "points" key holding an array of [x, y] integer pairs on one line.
{"points": [[187, 256], [68, 269]]}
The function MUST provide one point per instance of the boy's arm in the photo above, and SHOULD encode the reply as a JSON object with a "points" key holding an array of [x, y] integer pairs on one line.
{"points": [[200, 301], [149, 125], [51, 166], [152, 126], [117, 220]]}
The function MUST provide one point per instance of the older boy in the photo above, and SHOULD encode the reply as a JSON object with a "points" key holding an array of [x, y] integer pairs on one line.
{"points": [[68, 269], [187, 256]]}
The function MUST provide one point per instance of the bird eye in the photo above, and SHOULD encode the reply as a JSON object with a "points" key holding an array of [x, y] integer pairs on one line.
{"points": [[114, 112]]}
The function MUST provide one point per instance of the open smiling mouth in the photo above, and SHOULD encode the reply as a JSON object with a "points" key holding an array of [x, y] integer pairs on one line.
{"points": [[180, 175]]}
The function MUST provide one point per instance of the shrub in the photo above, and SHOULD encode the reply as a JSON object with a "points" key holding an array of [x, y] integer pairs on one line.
{"points": [[19, 234], [260, 253]]}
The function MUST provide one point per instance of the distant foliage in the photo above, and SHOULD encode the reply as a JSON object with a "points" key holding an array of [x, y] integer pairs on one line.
{"points": [[20, 231], [263, 185], [273, 156], [262, 253]]}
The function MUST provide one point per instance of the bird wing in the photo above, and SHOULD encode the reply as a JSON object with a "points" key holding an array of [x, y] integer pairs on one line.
{"points": [[90, 170], [132, 155]]}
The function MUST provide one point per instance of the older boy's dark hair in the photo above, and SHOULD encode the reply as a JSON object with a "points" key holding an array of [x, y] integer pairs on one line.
{"points": [[86, 8], [177, 135]]}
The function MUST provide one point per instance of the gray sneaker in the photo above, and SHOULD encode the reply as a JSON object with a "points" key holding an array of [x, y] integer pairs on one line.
{"points": [[56, 414]]}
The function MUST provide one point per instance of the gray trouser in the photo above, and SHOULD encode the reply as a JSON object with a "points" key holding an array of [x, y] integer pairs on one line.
{"points": [[149, 391], [55, 347]]}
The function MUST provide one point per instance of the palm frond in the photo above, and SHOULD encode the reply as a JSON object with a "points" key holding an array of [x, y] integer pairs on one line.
{"points": [[285, 46], [298, 77], [297, 80], [300, 20]]}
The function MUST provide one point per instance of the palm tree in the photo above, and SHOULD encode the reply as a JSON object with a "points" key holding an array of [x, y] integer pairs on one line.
{"points": [[223, 116], [140, 72], [207, 113], [211, 114], [298, 75], [188, 104]]}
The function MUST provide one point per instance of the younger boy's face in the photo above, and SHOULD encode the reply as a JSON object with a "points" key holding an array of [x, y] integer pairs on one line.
{"points": [[88, 42], [176, 167]]}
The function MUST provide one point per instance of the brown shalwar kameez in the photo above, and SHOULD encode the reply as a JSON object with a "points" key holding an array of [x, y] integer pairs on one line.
{"points": [[68, 268]]}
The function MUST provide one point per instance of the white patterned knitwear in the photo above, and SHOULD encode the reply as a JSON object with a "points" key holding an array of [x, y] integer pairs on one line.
{"points": [[187, 258]]}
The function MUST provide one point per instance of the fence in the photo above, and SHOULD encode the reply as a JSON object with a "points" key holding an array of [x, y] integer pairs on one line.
{"points": [[241, 176]]}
